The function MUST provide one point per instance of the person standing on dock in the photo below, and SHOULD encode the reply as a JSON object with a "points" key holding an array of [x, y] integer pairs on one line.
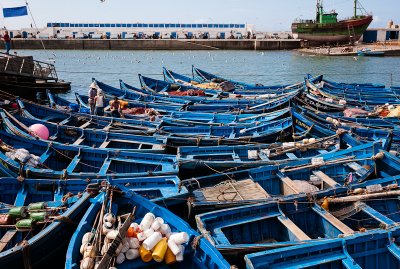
{"points": [[99, 103], [92, 94], [7, 41]]}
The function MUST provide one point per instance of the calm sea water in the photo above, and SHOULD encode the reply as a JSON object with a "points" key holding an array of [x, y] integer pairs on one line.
{"points": [[268, 68]]}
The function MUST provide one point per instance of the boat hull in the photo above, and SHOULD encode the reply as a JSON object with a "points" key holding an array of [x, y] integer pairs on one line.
{"points": [[340, 32]]}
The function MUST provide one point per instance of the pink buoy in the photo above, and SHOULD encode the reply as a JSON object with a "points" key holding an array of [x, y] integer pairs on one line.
{"points": [[40, 130]]}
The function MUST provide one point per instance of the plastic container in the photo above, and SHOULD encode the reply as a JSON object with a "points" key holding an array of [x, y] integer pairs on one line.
{"points": [[159, 250]]}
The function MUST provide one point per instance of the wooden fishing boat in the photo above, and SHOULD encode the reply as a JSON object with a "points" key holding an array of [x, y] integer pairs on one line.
{"points": [[42, 113], [223, 85], [80, 137], [221, 158], [203, 255], [53, 160], [36, 220], [345, 167], [225, 105], [293, 220], [370, 53], [353, 98], [203, 76], [306, 119], [264, 132], [189, 118], [213, 106], [377, 249]]}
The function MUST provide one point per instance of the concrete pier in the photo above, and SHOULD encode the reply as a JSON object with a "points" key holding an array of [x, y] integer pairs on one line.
{"points": [[157, 44]]}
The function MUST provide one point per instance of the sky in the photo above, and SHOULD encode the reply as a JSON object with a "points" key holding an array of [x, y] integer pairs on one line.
{"points": [[266, 15]]}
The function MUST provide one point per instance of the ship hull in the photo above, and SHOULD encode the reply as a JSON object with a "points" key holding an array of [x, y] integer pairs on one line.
{"points": [[340, 32]]}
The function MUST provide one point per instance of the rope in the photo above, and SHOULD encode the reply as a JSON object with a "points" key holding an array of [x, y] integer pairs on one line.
{"points": [[37, 30]]}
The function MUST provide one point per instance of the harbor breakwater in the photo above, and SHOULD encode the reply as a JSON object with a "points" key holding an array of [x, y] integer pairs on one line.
{"points": [[156, 44]]}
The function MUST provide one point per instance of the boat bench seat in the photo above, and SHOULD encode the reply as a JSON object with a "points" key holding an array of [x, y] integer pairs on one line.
{"points": [[7, 237]]}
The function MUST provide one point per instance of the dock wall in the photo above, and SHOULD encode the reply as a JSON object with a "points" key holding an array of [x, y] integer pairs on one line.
{"points": [[156, 44]]}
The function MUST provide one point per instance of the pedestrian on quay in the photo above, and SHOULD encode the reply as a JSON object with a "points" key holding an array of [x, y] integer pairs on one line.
{"points": [[92, 94], [7, 41], [99, 103]]}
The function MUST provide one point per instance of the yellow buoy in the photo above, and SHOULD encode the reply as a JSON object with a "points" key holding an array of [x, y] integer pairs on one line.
{"points": [[325, 204], [159, 250], [169, 257], [145, 254]]}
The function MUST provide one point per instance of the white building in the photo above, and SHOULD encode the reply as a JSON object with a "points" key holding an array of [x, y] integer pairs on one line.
{"points": [[139, 30]]}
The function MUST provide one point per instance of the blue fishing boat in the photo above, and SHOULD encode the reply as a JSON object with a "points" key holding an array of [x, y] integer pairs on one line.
{"points": [[370, 53], [36, 218], [79, 137], [41, 159], [276, 180], [84, 121], [306, 119], [377, 249], [223, 85], [203, 255], [237, 106], [340, 211], [239, 157], [203, 76], [188, 118], [265, 132]]}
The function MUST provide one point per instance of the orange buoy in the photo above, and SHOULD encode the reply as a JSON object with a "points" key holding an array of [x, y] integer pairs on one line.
{"points": [[131, 232]]}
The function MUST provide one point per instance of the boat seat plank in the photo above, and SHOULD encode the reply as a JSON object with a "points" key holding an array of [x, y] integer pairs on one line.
{"points": [[104, 144], [333, 220], [288, 186], [45, 155], [79, 141], [86, 124], [64, 122], [293, 228], [72, 165], [322, 151], [375, 214], [319, 260], [8, 236], [291, 156], [104, 167], [326, 179], [263, 157], [357, 168]]}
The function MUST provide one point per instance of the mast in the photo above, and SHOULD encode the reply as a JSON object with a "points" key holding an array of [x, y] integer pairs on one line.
{"points": [[355, 8]]}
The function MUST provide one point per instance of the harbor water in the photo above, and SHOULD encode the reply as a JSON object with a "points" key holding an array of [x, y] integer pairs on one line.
{"points": [[268, 68]]}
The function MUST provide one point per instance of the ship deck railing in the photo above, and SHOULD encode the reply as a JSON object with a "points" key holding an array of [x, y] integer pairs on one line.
{"points": [[26, 66]]}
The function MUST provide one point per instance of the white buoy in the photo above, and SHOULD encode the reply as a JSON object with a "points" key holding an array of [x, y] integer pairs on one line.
{"points": [[132, 254], [173, 247], [87, 237], [120, 258], [125, 245], [133, 242], [179, 256], [156, 225], [147, 221], [151, 241], [180, 238], [112, 234], [165, 229], [87, 263]]}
